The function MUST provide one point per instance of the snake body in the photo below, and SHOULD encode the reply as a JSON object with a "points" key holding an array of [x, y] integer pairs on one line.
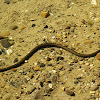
{"points": [[47, 45]]}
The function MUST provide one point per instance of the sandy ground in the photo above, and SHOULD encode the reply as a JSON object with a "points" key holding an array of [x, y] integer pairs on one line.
{"points": [[51, 73]]}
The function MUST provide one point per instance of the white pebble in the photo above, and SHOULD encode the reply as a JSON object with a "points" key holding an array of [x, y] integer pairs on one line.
{"points": [[53, 37], [91, 65], [10, 37], [35, 63], [54, 71], [26, 61], [92, 92], [45, 37], [94, 2], [66, 78], [9, 51], [50, 85], [34, 83], [97, 19]]}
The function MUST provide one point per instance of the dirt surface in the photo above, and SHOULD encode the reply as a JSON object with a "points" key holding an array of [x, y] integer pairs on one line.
{"points": [[51, 73]]}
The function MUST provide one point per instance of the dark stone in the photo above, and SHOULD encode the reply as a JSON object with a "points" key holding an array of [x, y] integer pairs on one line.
{"points": [[33, 25], [48, 59], [25, 80], [48, 75], [3, 51], [69, 92], [15, 60], [70, 69], [7, 1], [76, 82], [50, 64], [60, 58], [54, 78], [14, 27], [75, 60], [42, 65], [5, 43], [41, 84], [46, 26], [0, 52]]}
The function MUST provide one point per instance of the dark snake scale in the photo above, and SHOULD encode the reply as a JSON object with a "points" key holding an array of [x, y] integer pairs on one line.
{"points": [[47, 45]]}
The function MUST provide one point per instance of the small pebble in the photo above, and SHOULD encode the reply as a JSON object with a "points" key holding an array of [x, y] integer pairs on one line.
{"points": [[48, 58], [21, 40], [37, 68], [76, 82], [44, 14], [75, 60], [15, 84], [94, 2], [63, 88], [54, 71], [60, 67], [14, 27], [3, 51], [21, 71], [67, 26], [29, 89], [87, 64], [61, 73], [41, 84], [54, 78], [74, 25], [31, 75], [97, 19], [6, 33], [50, 85], [98, 56], [42, 65], [46, 26], [33, 25], [94, 88], [90, 23], [22, 27], [83, 21], [14, 69], [9, 51], [59, 58], [70, 69], [15, 60], [59, 52], [92, 92], [26, 61], [5, 43], [88, 42], [81, 62], [25, 80], [69, 92], [72, 29], [7, 1], [17, 95]]}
